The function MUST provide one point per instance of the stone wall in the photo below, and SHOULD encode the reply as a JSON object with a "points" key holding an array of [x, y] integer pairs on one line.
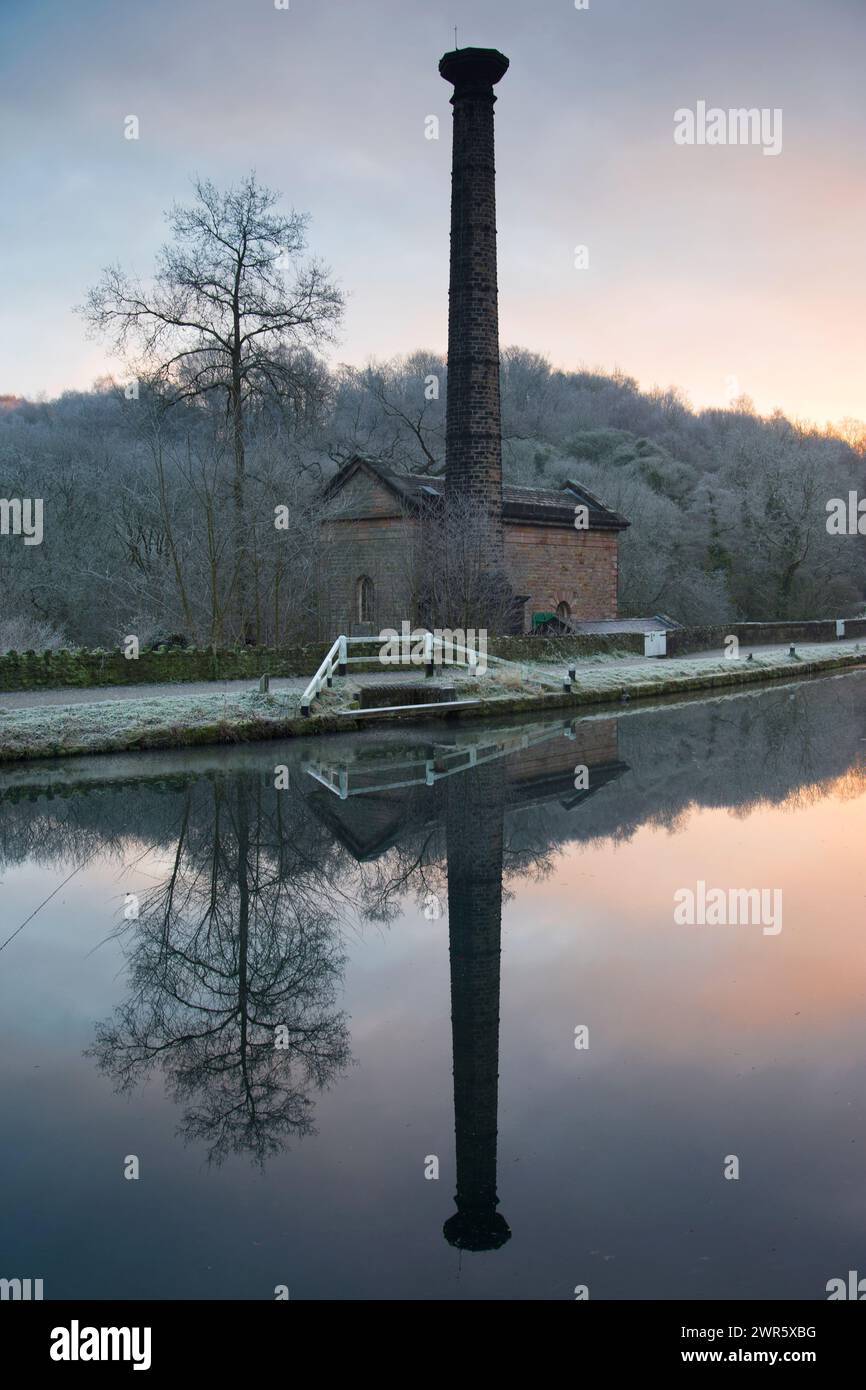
{"points": [[426, 693], [559, 649], [63, 669], [695, 639], [59, 670]]}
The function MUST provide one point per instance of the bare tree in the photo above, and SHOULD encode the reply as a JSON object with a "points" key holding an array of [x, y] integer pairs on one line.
{"points": [[394, 410], [232, 311], [448, 570]]}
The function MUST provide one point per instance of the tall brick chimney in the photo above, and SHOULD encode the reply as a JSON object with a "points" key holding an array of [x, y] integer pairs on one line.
{"points": [[473, 451]]}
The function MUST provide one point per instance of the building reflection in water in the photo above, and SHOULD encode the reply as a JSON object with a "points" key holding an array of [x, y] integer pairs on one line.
{"points": [[251, 888], [241, 937], [469, 786], [474, 840]]}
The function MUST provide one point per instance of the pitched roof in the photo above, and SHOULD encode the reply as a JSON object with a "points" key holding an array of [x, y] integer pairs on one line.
{"points": [[547, 506]]}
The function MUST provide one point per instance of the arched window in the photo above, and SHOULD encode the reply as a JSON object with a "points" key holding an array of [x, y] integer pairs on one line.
{"points": [[364, 599], [563, 612]]}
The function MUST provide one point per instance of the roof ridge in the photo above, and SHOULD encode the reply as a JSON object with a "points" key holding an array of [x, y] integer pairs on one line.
{"points": [[408, 487]]}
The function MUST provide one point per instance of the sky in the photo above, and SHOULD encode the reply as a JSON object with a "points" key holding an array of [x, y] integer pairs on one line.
{"points": [[718, 269]]}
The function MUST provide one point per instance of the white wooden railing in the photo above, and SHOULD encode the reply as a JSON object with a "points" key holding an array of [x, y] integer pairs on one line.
{"points": [[345, 780], [334, 663], [450, 653]]}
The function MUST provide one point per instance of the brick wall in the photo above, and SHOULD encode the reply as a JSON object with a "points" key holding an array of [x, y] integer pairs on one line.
{"points": [[378, 547], [596, 743], [365, 532], [364, 496], [563, 565], [551, 564]]}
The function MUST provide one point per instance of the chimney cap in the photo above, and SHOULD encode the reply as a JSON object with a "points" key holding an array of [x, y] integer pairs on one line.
{"points": [[473, 67]]}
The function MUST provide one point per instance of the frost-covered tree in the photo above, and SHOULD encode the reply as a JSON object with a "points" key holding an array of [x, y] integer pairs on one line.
{"points": [[233, 311]]}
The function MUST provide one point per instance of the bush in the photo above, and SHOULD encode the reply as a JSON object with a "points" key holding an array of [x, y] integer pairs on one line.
{"points": [[173, 641], [23, 634]]}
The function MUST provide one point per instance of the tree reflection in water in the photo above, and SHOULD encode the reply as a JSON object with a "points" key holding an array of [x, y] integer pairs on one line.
{"points": [[234, 972], [243, 936]]}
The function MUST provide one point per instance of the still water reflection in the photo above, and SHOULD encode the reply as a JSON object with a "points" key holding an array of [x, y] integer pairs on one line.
{"points": [[239, 966]]}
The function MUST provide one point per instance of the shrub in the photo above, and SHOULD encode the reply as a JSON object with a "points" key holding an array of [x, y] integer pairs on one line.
{"points": [[25, 634]]}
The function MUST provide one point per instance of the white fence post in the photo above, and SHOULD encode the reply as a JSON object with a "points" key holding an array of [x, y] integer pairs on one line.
{"points": [[322, 677]]}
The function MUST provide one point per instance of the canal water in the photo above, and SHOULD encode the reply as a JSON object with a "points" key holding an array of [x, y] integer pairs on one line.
{"points": [[412, 1014]]}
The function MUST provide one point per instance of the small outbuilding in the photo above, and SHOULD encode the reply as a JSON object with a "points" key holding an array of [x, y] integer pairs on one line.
{"points": [[560, 549]]}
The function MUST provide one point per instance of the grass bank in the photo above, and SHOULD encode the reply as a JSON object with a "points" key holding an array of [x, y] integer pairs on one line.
{"points": [[179, 721]]}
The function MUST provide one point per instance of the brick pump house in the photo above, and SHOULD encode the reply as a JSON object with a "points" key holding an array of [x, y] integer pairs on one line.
{"points": [[370, 518], [557, 549]]}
